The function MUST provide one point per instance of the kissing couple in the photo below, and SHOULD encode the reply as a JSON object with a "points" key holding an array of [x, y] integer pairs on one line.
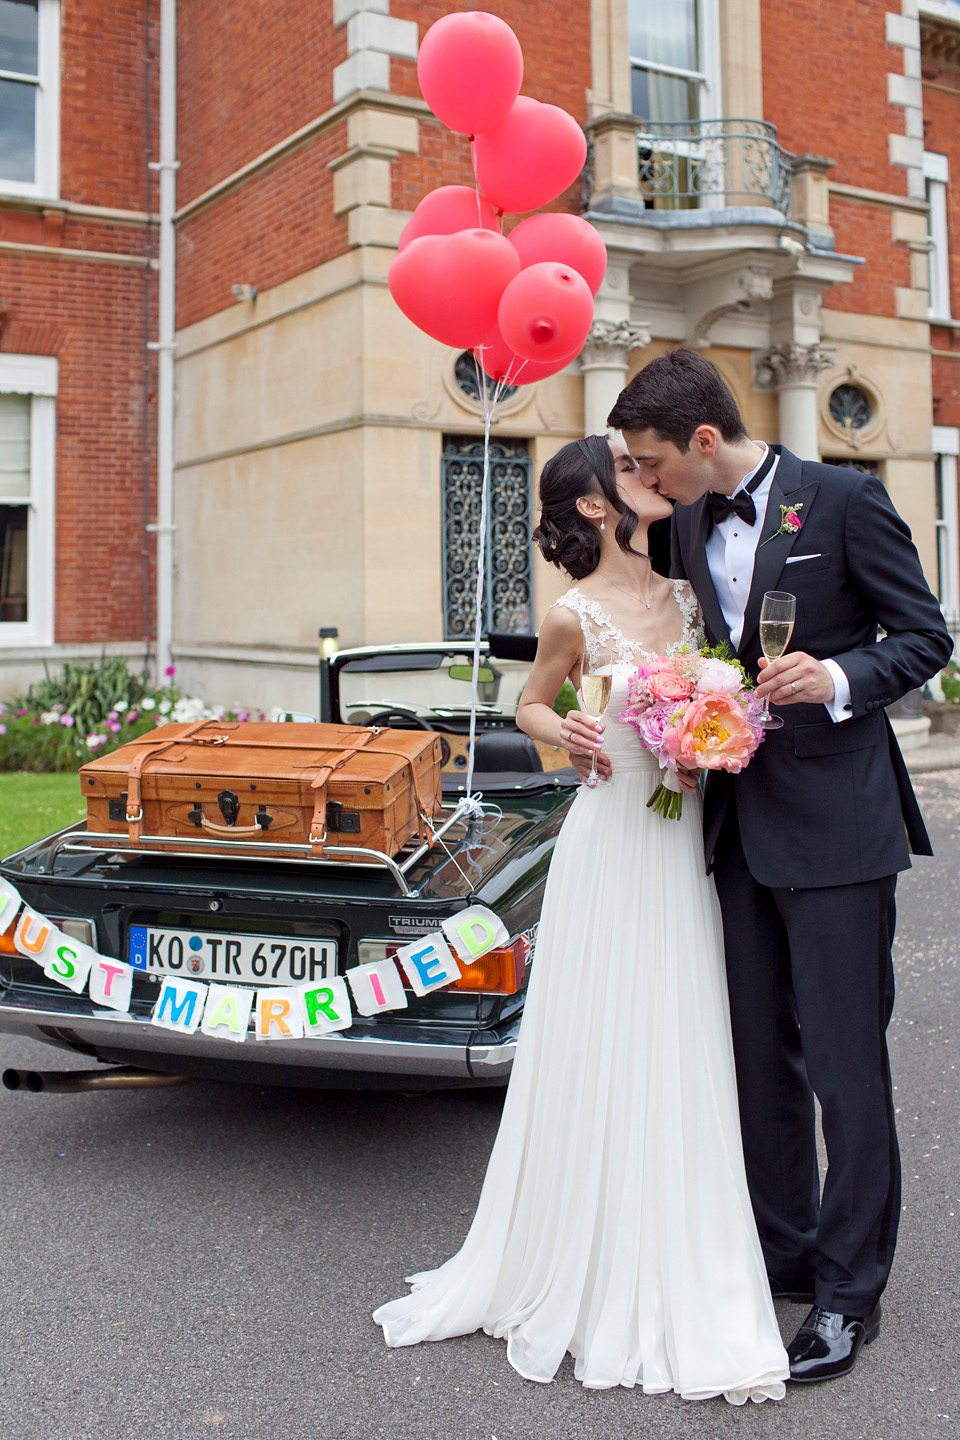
{"points": [[654, 1184]]}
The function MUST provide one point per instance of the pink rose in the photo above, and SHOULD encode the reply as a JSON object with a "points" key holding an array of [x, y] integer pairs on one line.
{"points": [[668, 685], [791, 522], [716, 734]]}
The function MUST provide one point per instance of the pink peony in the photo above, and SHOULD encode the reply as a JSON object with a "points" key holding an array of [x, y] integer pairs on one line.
{"points": [[656, 727], [718, 676], [716, 734]]}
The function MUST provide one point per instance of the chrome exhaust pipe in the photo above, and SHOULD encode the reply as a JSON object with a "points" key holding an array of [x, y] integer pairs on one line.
{"points": [[72, 1082]]}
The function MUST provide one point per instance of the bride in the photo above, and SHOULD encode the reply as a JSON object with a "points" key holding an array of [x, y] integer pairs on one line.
{"points": [[614, 1220]]}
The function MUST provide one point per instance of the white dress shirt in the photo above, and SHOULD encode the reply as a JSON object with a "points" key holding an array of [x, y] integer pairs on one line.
{"points": [[731, 552]]}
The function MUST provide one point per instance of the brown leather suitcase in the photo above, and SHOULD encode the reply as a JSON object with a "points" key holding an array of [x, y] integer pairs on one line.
{"points": [[254, 783]]}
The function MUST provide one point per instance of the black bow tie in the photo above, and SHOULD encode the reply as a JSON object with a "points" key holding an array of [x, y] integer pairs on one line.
{"points": [[721, 507]]}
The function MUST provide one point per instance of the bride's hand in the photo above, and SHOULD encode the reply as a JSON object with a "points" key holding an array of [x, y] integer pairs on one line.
{"points": [[579, 735], [687, 779]]}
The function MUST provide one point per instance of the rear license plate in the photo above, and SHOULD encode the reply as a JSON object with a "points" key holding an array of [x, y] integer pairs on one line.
{"points": [[236, 959]]}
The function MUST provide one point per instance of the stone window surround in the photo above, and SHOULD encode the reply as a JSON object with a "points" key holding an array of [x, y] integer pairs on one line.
{"points": [[36, 376], [46, 185]]}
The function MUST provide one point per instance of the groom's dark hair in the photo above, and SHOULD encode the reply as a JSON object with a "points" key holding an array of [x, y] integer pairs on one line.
{"points": [[673, 395]]}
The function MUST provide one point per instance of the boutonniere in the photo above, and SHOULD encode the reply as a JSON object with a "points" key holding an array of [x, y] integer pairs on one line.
{"points": [[790, 523]]}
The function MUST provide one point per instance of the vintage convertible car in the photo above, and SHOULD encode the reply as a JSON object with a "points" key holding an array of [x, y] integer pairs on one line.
{"points": [[286, 921]]}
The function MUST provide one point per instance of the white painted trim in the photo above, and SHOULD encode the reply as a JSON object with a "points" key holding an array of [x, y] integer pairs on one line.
{"points": [[15, 379], [936, 167], [46, 178], [936, 171], [711, 95], [948, 538], [945, 440]]}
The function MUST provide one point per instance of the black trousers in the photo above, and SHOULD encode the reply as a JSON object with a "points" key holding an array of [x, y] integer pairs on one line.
{"points": [[811, 993]]}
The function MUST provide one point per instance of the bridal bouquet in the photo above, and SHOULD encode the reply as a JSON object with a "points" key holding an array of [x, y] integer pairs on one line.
{"points": [[695, 708]]}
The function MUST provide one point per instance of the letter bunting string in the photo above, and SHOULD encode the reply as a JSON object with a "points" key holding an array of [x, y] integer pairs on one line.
{"points": [[279, 1012]]}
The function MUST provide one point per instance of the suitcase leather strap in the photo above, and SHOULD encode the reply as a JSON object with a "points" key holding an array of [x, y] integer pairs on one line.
{"points": [[134, 816], [318, 823]]}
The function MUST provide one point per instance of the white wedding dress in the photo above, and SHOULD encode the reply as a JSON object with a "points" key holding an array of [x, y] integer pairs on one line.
{"points": [[614, 1220]]}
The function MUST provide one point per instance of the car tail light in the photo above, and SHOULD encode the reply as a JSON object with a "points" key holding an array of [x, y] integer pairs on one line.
{"points": [[82, 930], [500, 972]]}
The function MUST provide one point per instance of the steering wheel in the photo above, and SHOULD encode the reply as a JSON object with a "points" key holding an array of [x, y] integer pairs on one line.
{"points": [[409, 719]]}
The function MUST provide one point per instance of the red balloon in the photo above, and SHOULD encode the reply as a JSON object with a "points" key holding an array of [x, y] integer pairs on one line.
{"points": [[470, 70], [450, 285], [546, 311], [448, 209], [565, 238], [501, 363], [530, 157]]}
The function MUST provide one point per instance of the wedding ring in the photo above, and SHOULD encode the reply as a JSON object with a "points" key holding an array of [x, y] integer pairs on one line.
{"points": [[793, 687]]}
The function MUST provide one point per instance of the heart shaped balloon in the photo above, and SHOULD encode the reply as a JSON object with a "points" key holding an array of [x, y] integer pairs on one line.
{"points": [[565, 238], [450, 208], [503, 364], [450, 285], [470, 69], [530, 157], [545, 312]]}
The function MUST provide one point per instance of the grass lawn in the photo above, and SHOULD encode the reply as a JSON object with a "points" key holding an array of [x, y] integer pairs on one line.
{"points": [[32, 806]]}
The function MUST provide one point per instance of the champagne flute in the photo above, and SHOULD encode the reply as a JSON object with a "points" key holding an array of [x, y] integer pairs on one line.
{"points": [[777, 615], [596, 678]]}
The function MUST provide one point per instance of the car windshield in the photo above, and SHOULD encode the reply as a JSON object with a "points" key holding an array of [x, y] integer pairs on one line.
{"points": [[434, 684]]}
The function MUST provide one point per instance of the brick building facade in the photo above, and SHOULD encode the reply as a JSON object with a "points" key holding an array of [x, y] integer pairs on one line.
{"points": [[772, 179]]}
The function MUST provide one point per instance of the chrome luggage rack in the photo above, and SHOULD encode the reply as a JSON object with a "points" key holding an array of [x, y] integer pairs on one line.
{"points": [[80, 842]]}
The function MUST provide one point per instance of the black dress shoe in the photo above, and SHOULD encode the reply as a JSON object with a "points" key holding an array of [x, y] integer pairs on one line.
{"points": [[798, 1292], [827, 1344]]}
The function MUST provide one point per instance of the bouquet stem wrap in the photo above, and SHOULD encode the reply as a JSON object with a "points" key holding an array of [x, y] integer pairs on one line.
{"points": [[667, 799]]}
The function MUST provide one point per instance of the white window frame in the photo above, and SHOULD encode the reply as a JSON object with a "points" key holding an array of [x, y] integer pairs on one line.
{"points": [[36, 376], [707, 77], [936, 171], [46, 182], [946, 447]]}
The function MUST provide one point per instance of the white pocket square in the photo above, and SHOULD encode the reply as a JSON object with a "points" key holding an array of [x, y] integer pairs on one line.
{"points": [[795, 559]]}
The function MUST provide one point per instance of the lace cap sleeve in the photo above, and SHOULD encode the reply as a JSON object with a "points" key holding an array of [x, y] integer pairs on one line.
{"points": [[690, 610]]}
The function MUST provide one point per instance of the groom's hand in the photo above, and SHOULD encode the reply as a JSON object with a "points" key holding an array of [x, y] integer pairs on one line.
{"points": [[795, 679]]}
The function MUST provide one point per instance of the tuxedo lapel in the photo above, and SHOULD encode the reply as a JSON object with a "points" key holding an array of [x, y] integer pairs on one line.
{"points": [[773, 549], [700, 577]]}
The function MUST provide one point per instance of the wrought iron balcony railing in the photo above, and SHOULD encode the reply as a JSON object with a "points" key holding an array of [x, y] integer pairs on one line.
{"points": [[702, 164]]}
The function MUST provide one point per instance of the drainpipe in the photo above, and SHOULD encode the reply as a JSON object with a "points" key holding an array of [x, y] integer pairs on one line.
{"points": [[165, 343]]}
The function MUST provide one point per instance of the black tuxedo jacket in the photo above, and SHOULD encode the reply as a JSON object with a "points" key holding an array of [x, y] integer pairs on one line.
{"points": [[824, 803]]}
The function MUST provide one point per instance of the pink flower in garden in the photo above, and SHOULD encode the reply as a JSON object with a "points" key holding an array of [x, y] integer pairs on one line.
{"points": [[114, 715], [95, 741], [134, 715], [170, 670], [243, 716], [67, 720], [3, 729], [113, 725], [20, 714]]}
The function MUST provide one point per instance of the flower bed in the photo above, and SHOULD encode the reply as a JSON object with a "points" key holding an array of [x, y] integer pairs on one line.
{"points": [[89, 710]]}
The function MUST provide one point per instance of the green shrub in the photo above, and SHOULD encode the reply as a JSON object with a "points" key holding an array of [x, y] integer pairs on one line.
{"points": [[950, 683], [566, 699]]}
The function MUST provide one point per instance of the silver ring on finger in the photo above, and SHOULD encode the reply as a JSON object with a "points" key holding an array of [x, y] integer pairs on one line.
{"points": [[793, 687]]}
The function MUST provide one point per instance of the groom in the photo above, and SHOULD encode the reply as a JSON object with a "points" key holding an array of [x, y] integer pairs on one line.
{"points": [[806, 843]]}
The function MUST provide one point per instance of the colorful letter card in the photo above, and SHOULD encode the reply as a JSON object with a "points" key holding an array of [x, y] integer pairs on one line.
{"points": [[111, 983], [70, 964], [179, 1005], [279, 1015], [377, 987], [10, 903], [326, 1006], [474, 931], [227, 1012], [36, 937], [428, 964]]}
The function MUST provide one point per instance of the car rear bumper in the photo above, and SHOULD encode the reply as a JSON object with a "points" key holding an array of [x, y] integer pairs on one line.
{"points": [[484, 1057]]}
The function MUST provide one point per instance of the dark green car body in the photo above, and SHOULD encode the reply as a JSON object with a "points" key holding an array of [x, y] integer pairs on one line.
{"points": [[448, 1038]]}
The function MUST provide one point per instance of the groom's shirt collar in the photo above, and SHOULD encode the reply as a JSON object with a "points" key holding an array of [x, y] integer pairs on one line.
{"points": [[732, 548]]}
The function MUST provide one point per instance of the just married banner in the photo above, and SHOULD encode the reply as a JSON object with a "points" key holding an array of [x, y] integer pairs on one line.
{"points": [[279, 1012]]}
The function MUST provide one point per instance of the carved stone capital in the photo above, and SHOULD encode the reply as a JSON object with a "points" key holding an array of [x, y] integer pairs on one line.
{"points": [[791, 364], [611, 341]]}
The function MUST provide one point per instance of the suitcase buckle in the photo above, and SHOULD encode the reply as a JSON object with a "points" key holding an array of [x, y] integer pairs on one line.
{"points": [[346, 822], [133, 816]]}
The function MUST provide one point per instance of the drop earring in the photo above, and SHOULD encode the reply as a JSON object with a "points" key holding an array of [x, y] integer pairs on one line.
{"points": [[602, 526]]}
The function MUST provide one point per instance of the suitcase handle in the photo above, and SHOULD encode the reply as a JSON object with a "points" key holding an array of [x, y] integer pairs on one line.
{"points": [[231, 829]]}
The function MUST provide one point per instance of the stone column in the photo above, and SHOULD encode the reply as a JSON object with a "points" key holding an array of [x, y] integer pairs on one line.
{"points": [[604, 360], [793, 370]]}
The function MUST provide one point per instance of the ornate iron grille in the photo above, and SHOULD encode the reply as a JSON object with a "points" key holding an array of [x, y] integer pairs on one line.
{"points": [[850, 407], [465, 374], [508, 588], [685, 164]]}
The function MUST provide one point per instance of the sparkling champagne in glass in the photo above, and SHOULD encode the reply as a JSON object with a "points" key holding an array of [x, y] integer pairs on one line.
{"points": [[596, 678], [777, 615]]}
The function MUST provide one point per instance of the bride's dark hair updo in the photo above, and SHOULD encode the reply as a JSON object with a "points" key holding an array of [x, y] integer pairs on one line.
{"points": [[567, 538]]}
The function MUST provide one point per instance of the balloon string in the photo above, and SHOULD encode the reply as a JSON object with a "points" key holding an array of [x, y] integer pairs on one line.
{"points": [[489, 403]]}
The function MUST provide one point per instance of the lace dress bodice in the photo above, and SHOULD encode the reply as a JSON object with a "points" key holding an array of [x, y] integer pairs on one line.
{"points": [[600, 632]]}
